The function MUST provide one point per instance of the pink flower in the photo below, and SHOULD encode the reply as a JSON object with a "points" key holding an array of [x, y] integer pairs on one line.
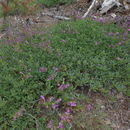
{"points": [[19, 113], [128, 29], [50, 99], [72, 104], [88, 107], [63, 40], [117, 33], [58, 100], [42, 69], [67, 111], [55, 68], [21, 73], [62, 87], [118, 43], [42, 97], [50, 124], [54, 106], [97, 43], [60, 125]]}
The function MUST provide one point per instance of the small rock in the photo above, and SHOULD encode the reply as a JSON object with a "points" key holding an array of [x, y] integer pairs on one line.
{"points": [[102, 107], [113, 15]]}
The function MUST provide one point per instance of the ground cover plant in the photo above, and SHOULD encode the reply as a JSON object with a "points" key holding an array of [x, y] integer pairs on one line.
{"points": [[40, 76]]}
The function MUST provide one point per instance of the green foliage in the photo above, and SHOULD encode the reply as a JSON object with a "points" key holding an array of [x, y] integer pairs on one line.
{"points": [[70, 56]]}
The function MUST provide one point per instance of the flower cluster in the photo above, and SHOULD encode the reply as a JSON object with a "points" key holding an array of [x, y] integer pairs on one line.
{"points": [[63, 86]]}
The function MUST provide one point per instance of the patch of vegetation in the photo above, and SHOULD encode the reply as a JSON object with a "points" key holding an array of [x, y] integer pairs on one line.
{"points": [[39, 77]]}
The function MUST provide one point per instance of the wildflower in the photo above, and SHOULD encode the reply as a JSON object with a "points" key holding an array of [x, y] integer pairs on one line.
{"points": [[97, 43], [89, 107], [42, 69], [19, 113], [54, 106], [66, 86], [62, 87], [52, 77], [100, 19], [123, 38], [67, 111], [119, 43], [42, 97], [128, 29], [110, 33], [63, 40], [50, 99], [117, 33], [72, 104], [60, 125], [58, 100], [55, 68], [50, 124], [66, 117], [21, 73]]}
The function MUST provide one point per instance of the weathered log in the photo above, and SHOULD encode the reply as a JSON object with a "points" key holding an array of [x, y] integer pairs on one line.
{"points": [[55, 16]]}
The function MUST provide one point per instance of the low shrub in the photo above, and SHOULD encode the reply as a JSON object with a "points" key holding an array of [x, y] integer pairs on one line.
{"points": [[75, 54]]}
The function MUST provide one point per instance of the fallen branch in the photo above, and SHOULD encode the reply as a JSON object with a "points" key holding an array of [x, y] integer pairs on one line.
{"points": [[89, 9], [55, 16]]}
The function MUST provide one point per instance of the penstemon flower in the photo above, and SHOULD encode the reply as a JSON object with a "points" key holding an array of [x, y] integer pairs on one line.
{"points": [[88, 107], [60, 125], [42, 69], [50, 124], [72, 104]]}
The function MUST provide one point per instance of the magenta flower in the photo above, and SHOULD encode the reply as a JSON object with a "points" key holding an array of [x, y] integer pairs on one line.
{"points": [[97, 43], [110, 33], [123, 38], [21, 73], [117, 33], [72, 104], [60, 125], [42, 97], [119, 43], [67, 111], [62, 87], [63, 40], [128, 29], [66, 86], [58, 100], [100, 19], [19, 113], [54, 106], [50, 124], [88, 107], [55, 68], [42, 69], [50, 99]]}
